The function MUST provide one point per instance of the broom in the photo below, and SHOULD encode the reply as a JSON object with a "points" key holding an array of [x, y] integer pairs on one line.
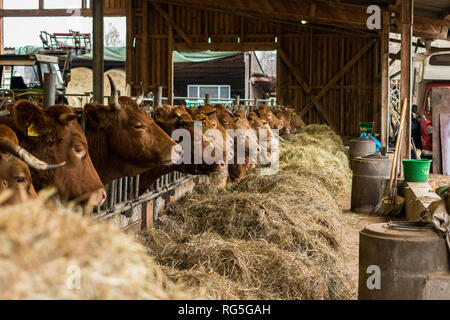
{"points": [[393, 203]]}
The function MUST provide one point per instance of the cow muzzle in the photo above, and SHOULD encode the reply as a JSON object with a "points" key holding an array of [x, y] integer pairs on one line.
{"points": [[97, 197], [176, 154]]}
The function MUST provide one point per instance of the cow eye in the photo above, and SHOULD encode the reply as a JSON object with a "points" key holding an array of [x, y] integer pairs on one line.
{"points": [[139, 126], [20, 179]]}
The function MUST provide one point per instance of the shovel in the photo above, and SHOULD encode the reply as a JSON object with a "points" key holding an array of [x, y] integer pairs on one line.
{"points": [[392, 204]]}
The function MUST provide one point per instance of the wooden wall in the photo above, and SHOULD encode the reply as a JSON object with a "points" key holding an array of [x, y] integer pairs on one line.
{"points": [[314, 55]]}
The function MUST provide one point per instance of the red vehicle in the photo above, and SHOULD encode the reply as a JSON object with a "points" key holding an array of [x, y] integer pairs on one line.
{"points": [[432, 70]]}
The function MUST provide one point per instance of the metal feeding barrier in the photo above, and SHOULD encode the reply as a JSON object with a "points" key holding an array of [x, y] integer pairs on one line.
{"points": [[123, 193]]}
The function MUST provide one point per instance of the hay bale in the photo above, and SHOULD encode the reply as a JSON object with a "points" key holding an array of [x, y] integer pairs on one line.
{"points": [[81, 82], [41, 245], [268, 237]]}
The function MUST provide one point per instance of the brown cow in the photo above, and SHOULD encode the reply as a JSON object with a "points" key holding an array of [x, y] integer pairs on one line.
{"points": [[239, 168], [285, 115], [227, 142], [14, 171], [170, 119], [296, 120], [266, 114], [53, 136], [125, 140], [262, 127]]}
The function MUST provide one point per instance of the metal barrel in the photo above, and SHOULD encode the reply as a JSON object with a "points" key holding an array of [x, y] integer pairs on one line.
{"points": [[398, 260], [360, 147], [369, 182]]}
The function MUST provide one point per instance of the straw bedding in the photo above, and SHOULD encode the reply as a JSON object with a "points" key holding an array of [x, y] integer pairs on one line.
{"points": [[268, 237], [42, 246]]}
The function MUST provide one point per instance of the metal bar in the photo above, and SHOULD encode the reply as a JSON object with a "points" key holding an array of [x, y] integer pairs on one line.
{"points": [[125, 191], [49, 89], [119, 192], [131, 188], [136, 194], [98, 62]]}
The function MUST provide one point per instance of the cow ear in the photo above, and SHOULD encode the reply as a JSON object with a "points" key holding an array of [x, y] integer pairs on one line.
{"points": [[96, 116], [27, 113]]}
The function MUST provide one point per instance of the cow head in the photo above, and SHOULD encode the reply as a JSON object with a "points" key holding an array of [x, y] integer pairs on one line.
{"points": [[227, 141], [266, 114], [296, 120], [285, 115], [261, 126], [125, 140], [172, 118], [54, 136], [14, 172]]}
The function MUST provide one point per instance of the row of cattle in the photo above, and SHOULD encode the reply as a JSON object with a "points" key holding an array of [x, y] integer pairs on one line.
{"points": [[47, 147]]}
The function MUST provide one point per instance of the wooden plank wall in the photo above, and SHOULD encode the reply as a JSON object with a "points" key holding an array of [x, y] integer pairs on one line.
{"points": [[318, 55], [115, 4]]}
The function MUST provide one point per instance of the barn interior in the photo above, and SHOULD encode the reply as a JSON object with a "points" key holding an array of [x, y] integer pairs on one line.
{"points": [[360, 106]]}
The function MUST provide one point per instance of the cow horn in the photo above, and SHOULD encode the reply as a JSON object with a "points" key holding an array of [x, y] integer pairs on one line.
{"points": [[66, 117], [140, 97], [113, 100], [189, 123], [210, 113], [19, 152]]}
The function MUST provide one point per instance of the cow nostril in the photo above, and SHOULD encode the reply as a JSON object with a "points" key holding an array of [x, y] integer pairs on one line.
{"points": [[103, 195], [4, 184]]}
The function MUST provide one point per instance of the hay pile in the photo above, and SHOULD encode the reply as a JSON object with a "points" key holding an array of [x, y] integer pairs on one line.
{"points": [[319, 153], [42, 248], [81, 82], [268, 237]]}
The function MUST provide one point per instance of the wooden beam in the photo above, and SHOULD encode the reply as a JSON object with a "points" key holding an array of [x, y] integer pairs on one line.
{"points": [[305, 86], [326, 13], [145, 47], [172, 23], [294, 71], [129, 42], [225, 46], [335, 79], [384, 78], [108, 12], [170, 61], [405, 84]]}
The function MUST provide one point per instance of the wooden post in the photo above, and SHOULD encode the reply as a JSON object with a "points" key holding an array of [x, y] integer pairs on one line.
{"points": [[170, 61], [237, 100], [49, 89], [2, 36], [405, 86], [98, 63], [159, 96], [145, 47], [207, 99], [384, 77]]}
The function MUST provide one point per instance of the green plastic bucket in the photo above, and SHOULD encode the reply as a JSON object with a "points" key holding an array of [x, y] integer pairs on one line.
{"points": [[416, 170]]}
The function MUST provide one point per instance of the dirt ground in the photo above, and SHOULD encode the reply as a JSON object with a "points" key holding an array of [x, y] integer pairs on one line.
{"points": [[351, 239]]}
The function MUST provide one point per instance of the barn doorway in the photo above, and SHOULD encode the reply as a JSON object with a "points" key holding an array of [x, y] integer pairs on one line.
{"points": [[224, 75]]}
